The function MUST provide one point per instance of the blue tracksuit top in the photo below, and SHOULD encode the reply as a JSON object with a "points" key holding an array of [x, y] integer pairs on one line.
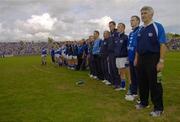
{"points": [[96, 47], [104, 46], [132, 41], [149, 38], [44, 52], [75, 50], [120, 45], [52, 52]]}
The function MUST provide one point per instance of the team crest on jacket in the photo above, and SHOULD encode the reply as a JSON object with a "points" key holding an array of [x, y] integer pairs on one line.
{"points": [[150, 34], [121, 41]]}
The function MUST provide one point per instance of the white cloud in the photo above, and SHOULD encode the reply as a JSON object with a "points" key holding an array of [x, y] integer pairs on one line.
{"points": [[37, 23], [102, 22], [76, 19], [43, 21], [1, 29], [42, 35], [38, 27]]}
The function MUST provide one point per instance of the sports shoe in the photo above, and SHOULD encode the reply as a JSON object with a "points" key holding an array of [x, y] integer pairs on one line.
{"points": [[156, 113], [91, 76], [140, 106], [95, 77], [104, 81], [107, 83], [122, 89], [129, 92], [117, 89], [135, 95], [129, 98]]}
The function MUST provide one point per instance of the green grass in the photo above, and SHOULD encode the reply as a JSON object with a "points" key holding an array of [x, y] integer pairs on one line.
{"points": [[30, 92]]}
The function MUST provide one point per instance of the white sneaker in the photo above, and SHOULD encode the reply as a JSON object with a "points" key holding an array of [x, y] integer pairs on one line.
{"points": [[129, 98], [135, 95], [122, 89], [95, 77], [104, 81], [140, 106], [128, 93], [107, 83], [156, 113], [117, 89], [138, 101], [91, 76]]}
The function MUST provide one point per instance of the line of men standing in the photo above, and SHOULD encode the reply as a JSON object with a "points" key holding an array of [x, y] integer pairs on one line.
{"points": [[109, 57], [138, 57]]}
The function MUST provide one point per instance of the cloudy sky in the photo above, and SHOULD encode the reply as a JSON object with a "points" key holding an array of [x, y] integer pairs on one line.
{"points": [[76, 19]]}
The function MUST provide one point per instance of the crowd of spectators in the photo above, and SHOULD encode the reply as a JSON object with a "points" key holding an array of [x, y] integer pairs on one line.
{"points": [[173, 44], [34, 48], [21, 48]]}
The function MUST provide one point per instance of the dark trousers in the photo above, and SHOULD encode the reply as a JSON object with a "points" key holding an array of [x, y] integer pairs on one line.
{"points": [[113, 71], [79, 57], [83, 64], [97, 66], [134, 80], [104, 67], [53, 58], [91, 64], [147, 76]]}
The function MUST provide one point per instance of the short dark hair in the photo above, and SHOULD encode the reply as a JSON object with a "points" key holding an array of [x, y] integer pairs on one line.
{"points": [[107, 31], [123, 25], [96, 31], [136, 18], [112, 22]]}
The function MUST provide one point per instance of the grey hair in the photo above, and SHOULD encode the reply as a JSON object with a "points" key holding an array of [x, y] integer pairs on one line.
{"points": [[148, 8]]}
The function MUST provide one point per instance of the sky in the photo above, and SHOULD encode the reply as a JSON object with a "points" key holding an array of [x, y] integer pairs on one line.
{"points": [[36, 20]]}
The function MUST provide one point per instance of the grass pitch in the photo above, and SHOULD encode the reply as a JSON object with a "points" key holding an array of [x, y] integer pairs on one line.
{"points": [[30, 92]]}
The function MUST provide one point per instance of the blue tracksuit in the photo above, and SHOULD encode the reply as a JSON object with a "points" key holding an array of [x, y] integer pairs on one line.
{"points": [[75, 50], [97, 60], [70, 50], [44, 52], [103, 48], [112, 69], [132, 41], [91, 58], [149, 39], [96, 47], [120, 46], [104, 55], [52, 54]]}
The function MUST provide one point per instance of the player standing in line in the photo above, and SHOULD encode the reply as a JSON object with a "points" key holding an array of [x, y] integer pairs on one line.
{"points": [[132, 41], [149, 59], [43, 56]]}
